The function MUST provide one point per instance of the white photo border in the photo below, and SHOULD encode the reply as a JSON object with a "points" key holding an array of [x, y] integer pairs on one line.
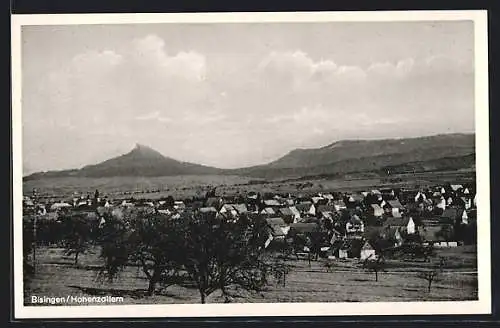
{"points": [[481, 306]]}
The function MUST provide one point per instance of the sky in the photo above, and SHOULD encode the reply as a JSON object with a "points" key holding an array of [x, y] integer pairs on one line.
{"points": [[234, 95]]}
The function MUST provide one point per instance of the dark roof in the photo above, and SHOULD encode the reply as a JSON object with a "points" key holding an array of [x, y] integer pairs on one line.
{"points": [[302, 207], [394, 203], [272, 202], [353, 245], [431, 233], [325, 208], [275, 221], [450, 213], [394, 222], [208, 210], [356, 197], [339, 202], [355, 219], [390, 232], [304, 227], [309, 220], [276, 231], [367, 245], [372, 232], [240, 208], [268, 210], [212, 201], [196, 204], [286, 211]]}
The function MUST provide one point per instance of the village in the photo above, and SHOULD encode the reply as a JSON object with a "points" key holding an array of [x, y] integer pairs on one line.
{"points": [[355, 225]]}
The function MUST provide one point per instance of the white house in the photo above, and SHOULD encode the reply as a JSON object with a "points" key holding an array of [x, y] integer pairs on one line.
{"points": [[467, 202], [178, 204], [127, 204], [441, 204], [317, 199], [410, 225], [272, 203], [355, 224], [268, 211], [57, 206], [228, 208], [465, 218], [395, 206], [41, 210], [377, 210], [398, 238], [343, 253], [312, 210], [367, 251], [339, 205], [420, 195], [295, 213]]}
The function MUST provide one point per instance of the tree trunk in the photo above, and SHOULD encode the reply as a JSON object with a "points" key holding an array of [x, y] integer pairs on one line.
{"points": [[153, 280], [225, 294], [76, 257], [151, 287], [429, 286], [376, 275], [202, 295]]}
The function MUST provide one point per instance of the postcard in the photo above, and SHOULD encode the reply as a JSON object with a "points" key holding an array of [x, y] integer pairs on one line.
{"points": [[251, 164]]}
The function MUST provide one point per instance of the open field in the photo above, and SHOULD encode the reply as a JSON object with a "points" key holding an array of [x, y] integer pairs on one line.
{"points": [[189, 186], [131, 186], [346, 282]]}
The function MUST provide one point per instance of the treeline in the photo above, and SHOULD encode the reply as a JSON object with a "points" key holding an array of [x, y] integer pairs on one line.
{"points": [[213, 254]]}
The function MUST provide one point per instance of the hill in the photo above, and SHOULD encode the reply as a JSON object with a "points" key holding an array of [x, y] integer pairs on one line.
{"points": [[415, 149], [453, 151], [369, 155], [140, 161]]}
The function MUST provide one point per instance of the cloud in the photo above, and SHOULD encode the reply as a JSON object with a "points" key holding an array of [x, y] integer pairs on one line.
{"points": [[297, 68], [389, 70], [150, 51], [108, 99], [154, 116]]}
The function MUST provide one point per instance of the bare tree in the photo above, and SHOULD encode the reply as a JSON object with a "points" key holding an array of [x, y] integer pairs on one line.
{"points": [[217, 254], [374, 265], [78, 235], [280, 271], [329, 265], [28, 249], [147, 241], [430, 276]]}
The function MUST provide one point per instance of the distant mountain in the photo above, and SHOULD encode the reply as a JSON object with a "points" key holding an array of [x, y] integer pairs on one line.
{"points": [[418, 148], [364, 155], [140, 161], [437, 152]]}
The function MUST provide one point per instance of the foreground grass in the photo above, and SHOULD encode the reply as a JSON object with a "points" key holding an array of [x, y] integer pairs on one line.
{"points": [[56, 276]]}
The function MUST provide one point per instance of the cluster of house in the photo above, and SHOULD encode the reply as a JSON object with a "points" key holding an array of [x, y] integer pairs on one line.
{"points": [[349, 224]]}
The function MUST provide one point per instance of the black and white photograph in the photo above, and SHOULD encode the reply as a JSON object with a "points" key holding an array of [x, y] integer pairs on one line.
{"points": [[251, 164]]}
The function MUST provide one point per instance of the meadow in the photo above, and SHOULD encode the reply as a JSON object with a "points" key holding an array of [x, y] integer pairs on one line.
{"points": [[188, 186], [57, 276]]}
